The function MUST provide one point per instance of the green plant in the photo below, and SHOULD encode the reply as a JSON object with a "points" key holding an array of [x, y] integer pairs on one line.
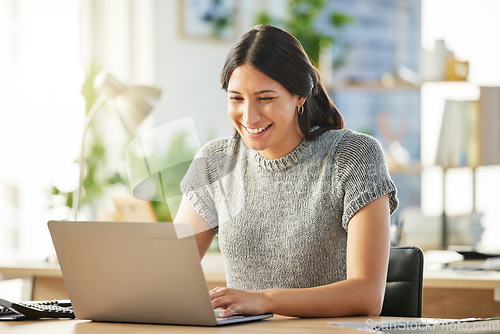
{"points": [[302, 23]]}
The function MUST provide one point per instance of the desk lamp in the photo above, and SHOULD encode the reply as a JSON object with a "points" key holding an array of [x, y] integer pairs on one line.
{"points": [[134, 103]]}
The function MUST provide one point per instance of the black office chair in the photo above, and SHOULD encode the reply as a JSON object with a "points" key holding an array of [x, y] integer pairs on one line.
{"points": [[403, 291]]}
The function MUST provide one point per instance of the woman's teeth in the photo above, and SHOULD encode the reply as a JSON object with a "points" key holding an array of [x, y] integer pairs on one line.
{"points": [[258, 130]]}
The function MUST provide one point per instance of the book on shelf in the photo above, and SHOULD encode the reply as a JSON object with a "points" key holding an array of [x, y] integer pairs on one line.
{"points": [[489, 125], [458, 138], [470, 131]]}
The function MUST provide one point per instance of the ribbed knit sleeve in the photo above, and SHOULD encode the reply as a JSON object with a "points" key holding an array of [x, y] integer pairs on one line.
{"points": [[360, 175], [201, 183]]}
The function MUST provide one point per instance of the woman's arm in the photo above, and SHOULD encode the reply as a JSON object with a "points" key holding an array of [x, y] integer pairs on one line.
{"points": [[203, 233], [361, 293]]}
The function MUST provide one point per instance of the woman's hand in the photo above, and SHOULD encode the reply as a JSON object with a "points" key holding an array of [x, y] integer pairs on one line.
{"points": [[239, 301]]}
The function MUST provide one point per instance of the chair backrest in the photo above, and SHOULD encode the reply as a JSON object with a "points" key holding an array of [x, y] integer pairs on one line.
{"points": [[403, 291]]}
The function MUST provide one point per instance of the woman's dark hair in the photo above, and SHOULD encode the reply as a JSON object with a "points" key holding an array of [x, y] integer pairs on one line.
{"points": [[280, 56]]}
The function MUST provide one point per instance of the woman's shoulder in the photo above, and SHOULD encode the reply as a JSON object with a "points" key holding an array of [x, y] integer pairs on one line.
{"points": [[349, 137], [345, 134], [343, 137], [347, 141], [221, 153], [213, 160], [223, 145]]}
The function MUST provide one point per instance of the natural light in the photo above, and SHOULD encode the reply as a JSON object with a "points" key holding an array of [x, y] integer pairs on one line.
{"points": [[42, 110]]}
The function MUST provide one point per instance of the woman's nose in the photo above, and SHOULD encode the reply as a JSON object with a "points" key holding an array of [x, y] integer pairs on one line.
{"points": [[251, 115]]}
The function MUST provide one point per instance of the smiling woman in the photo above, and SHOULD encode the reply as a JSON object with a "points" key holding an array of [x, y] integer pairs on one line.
{"points": [[302, 210]]}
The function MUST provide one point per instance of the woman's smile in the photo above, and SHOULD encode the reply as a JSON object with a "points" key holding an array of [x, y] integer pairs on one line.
{"points": [[254, 131]]}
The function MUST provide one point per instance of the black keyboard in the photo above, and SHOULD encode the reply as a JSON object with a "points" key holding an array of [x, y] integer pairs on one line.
{"points": [[35, 309]]}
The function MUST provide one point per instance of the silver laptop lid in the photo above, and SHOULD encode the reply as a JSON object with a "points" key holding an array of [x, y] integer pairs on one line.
{"points": [[133, 272]]}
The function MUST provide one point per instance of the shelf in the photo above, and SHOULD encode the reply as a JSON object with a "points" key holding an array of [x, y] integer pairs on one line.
{"points": [[373, 86], [381, 85], [405, 169]]}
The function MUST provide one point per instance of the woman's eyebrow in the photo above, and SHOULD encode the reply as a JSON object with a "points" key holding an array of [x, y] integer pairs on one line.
{"points": [[266, 91], [256, 93]]}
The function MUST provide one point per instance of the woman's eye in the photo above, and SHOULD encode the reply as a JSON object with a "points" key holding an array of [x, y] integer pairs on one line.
{"points": [[235, 98], [265, 98]]}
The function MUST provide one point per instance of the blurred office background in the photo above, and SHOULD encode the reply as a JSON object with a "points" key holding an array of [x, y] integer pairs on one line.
{"points": [[384, 69]]}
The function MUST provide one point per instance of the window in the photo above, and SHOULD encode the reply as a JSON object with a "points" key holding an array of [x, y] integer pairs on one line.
{"points": [[40, 116]]}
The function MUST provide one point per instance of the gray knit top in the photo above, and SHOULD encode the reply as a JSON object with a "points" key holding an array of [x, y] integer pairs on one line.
{"points": [[283, 223]]}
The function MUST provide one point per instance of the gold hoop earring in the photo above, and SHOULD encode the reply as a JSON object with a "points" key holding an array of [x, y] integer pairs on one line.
{"points": [[300, 110]]}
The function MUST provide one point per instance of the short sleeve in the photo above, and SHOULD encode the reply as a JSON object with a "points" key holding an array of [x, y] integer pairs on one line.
{"points": [[198, 189], [361, 175], [201, 184]]}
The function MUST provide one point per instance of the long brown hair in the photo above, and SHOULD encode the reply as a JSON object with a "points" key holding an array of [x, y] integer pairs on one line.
{"points": [[280, 56]]}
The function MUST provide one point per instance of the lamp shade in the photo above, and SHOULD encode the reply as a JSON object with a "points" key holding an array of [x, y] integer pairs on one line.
{"points": [[134, 103]]}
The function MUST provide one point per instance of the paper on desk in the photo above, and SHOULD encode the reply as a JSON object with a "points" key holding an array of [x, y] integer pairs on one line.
{"points": [[372, 326], [355, 325]]}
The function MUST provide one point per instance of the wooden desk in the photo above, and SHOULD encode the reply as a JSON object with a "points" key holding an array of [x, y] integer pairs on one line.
{"points": [[42, 280], [452, 293], [277, 324]]}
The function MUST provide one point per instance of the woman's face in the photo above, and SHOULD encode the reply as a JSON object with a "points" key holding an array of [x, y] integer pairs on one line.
{"points": [[263, 112]]}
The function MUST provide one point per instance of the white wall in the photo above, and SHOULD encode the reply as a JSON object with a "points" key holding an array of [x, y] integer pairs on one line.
{"points": [[188, 70]]}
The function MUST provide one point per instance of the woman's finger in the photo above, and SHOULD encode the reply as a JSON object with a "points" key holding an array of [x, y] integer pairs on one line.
{"points": [[223, 301], [216, 289], [221, 291], [235, 308]]}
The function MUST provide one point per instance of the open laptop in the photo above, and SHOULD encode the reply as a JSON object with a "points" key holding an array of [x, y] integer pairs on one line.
{"points": [[135, 272]]}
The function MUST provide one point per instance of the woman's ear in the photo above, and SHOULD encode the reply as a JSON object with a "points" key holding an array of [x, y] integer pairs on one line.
{"points": [[301, 100]]}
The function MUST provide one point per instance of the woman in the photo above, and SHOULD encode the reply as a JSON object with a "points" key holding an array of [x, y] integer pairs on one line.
{"points": [[300, 204]]}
